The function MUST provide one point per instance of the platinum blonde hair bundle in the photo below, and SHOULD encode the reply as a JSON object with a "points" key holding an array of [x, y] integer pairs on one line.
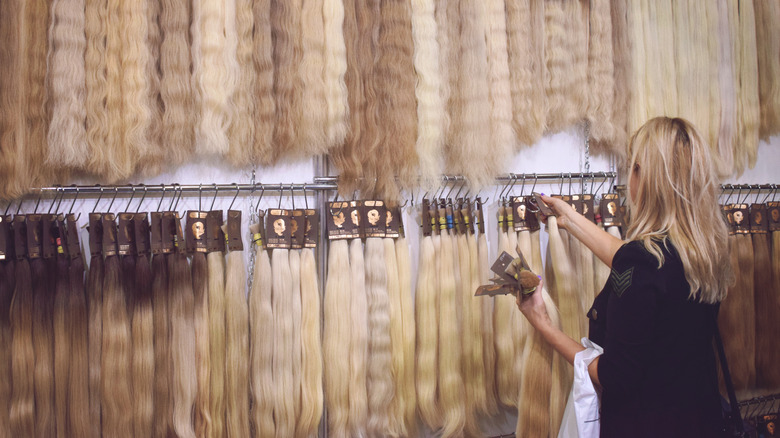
{"points": [[283, 392], [427, 330], [358, 350], [311, 348], [236, 346]]}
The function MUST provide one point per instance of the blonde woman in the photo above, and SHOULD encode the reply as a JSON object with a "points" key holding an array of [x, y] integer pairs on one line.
{"points": [[655, 316]]}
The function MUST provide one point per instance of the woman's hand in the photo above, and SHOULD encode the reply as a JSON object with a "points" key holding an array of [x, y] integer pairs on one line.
{"points": [[533, 307], [561, 208]]}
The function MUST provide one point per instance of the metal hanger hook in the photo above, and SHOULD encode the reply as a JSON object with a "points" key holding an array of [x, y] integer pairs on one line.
{"points": [[162, 186], [142, 198], [234, 197], [100, 196], [130, 201], [216, 191]]}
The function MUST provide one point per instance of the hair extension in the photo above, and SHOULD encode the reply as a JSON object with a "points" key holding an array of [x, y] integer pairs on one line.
{"points": [[749, 108], [313, 135], [770, 377], [67, 133], [311, 379], [234, 129], [263, 96], [94, 290], [43, 343], [336, 339], [237, 346], [78, 386], [767, 47], [368, 20], [727, 134], [560, 65], [184, 383], [623, 48], [358, 350], [118, 161], [430, 105], [601, 77], [261, 323], [397, 407], [636, 81], [288, 88], [163, 402], [472, 116], [283, 394], [536, 252], [158, 153], [7, 282], [662, 55], [395, 89], [503, 137], [241, 133], [295, 318], [506, 384], [116, 352], [335, 58], [22, 410], [405, 386], [469, 367], [600, 270], [577, 25], [488, 343], [217, 342], [525, 49], [736, 318], [95, 64], [379, 382], [447, 24], [143, 349], [61, 341], [474, 325], [451, 388], [568, 301], [426, 320], [585, 277], [11, 92], [712, 86], [200, 287], [765, 313]]}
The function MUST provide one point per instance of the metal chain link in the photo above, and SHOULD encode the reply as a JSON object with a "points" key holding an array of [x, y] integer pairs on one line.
{"points": [[587, 152], [252, 220]]}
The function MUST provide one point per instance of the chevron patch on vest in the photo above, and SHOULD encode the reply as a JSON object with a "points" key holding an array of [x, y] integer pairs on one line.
{"points": [[621, 281]]}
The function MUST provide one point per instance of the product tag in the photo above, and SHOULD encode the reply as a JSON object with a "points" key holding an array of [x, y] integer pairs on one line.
{"points": [[196, 231], [278, 229], [374, 217], [758, 219], [400, 220], [457, 216], [168, 232], [480, 217], [156, 241], [610, 212], [109, 235], [49, 235], [576, 203], [34, 236], [355, 214], [509, 216], [74, 245], [465, 214], [433, 214], [141, 228], [427, 222], [233, 237], [774, 216], [20, 236], [740, 218], [126, 234], [312, 233], [297, 228], [500, 266], [215, 238], [445, 215], [501, 215], [588, 207], [6, 238], [339, 226], [61, 238], [539, 206], [531, 219], [95, 229], [520, 211], [178, 237]]}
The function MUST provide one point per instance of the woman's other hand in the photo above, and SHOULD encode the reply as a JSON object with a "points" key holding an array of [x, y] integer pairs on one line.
{"points": [[533, 307]]}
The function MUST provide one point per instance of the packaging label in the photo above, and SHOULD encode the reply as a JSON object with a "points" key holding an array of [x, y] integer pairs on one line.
{"points": [[773, 212], [109, 235], [297, 229], [95, 229], [234, 241], [178, 238], [278, 229], [168, 233], [480, 216], [6, 238], [609, 208], [465, 215], [339, 226], [759, 220], [520, 213], [427, 222], [356, 219], [34, 236], [156, 242], [739, 217], [126, 234], [588, 207], [196, 231], [374, 218], [20, 236], [312, 230], [215, 238], [141, 228], [62, 235], [49, 235], [74, 245]]}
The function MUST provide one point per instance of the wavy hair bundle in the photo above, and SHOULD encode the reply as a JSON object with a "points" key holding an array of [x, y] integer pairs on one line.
{"points": [[311, 348], [312, 77], [768, 45], [241, 132], [262, 57], [335, 71], [288, 86], [358, 350]]}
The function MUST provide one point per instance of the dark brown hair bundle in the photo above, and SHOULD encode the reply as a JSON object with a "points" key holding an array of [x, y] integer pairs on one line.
{"points": [[766, 302], [772, 378], [22, 413]]}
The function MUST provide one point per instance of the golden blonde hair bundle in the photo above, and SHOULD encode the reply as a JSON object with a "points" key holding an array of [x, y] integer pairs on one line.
{"points": [[427, 329], [142, 328], [265, 106], [283, 393], [10, 75], [184, 379], [748, 96], [288, 90], [201, 331], [236, 345], [601, 78], [94, 289], [311, 348], [727, 133], [312, 70], [406, 385], [241, 133], [217, 338], [768, 46], [358, 349], [506, 383]]}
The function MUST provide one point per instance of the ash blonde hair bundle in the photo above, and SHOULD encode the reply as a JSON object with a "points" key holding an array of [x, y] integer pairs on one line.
{"points": [[184, 380], [283, 393], [358, 349], [311, 348], [236, 346], [261, 349], [200, 286], [560, 63], [406, 385], [601, 78], [312, 71], [241, 132], [768, 46], [217, 342], [265, 106]]}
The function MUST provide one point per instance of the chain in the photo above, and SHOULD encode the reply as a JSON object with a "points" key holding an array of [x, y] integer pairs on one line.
{"points": [[252, 220], [587, 150]]}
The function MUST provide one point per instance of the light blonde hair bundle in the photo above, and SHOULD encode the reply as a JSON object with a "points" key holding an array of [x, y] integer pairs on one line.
{"points": [[768, 46], [283, 393], [560, 63], [312, 71], [95, 63], [472, 379], [184, 379], [295, 317], [241, 133], [288, 90], [427, 329], [488, 349], [202, 407], [358, 350], [406, 385], [265, 106], [336, 338], [479, 396], [236, 346], [261, 343], [335, 52], [217, 341], [506, 384], [502, 133], [748, 121], [311, 348], [601, 78], [399, 371]]}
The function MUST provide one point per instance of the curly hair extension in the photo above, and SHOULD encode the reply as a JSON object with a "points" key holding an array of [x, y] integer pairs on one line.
{"points": [[622, 47], [11, 123], [157, 154], [288, 89], [263, 95], [67, 144], [635, 83], [447, 24], [767, 375], [202, 343], [311, 379], [118, 161], [261, 349], [143, 350], [426, 314], [295, 317], [358, 350], [78, 386], [35, 98], [560, 63], [61, 339], [336, 99], [502, 133], [577, 42], [313, 135], [176, 89], [7, 282], [241, 133], [336, 339], [368, 15], [601, 77], [216, 302], [430, 105], [282, 395], [488, 342], [184, 383], [237, 346], [767, 47], [397, 407], [395, 89], [163, 402], [94, 290], [95, 64], [43, 344], [22, 412], [405, 385], [749, 108]]}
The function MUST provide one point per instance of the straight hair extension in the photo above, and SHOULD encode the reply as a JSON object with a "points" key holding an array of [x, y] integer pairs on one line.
{"points": [[313, 126], [479, 397], [406, 385], [771, 379], [427, 329], [506, 384], [665, 58], [748, 98], [78, 387], [397, 407], [336, 339], [163, 402], [335, 52], [568, 301], [430, 105], [379, 382], [176, 88], [586, 277], [767, 47], [67, 144], [237, 346], [7, 282], [311, 352], [288, 88], [502, 133], [200, 288], [520, 324], [601, 77], [767, 375], [143, 348], [727, 80], [241, 133], [61, 341], [261, 338], [94, 289], [263, 96], [43, 341], [283, 394], [184, 381], [488, 342], [358, 350], [295, 317], [217, 342], [22, 406], [600, 270], [469, 367], [95, 64]]}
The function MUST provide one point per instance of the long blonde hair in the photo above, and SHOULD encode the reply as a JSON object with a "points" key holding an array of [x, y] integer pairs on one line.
{"points": [[676, 196]]}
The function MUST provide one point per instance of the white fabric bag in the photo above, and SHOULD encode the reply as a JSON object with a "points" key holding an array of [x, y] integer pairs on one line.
{"points": [[581, 418]]}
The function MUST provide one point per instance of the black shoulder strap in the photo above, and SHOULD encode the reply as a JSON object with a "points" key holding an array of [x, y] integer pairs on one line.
{"points": [[735, 416]]}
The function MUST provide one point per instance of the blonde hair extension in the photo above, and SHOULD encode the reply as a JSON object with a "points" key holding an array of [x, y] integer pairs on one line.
{"points": [[217, 341], [506, 386], [335, 52], [771, 377], [313, 134], [727, 79], [176, 86], [379, 379], [94, 289], [748, 98], [488, 349], [143, 368], [261, 343], [474, 325], [767, 375], [295, 317], [406, 386], [43, 281], [288, 88], [664, 56], [118, 161], [600, 270], [184, 379], [712, 64], [236, 346], [283, 393], [35, 99], [767, 15], [536, 252], [95, 62], [241, 133], [155, 159], [451, 388], [311, 378], [336, 339], [397, 407], [11, 92], [78, 386], [636, 66], [263, 96], [445, 26], [430, 105], [470, 368], [202, 411], [61, 340], [563, 271], [577, 37], [560, 63], [585, 276], [22, 406], [163, 402], [426, 314], [232, 79], [601, 78], [623, 49], [358, 350], [368, 14], [67, 78]]}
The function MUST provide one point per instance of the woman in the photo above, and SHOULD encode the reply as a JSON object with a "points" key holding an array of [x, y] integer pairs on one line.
{"points": [[655, 317]]}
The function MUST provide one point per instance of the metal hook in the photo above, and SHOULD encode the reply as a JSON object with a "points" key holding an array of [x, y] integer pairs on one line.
{"points": [[7, 207], [56, 195], [305, 197], [181, 193], [130, 201], [100, 196], [570, 183], [142, 198], [766, 197], [281, 193], [116, 192], [62, 197], [19, 208], [70, 210], [774, 191], [200, 195], [161, 197], [536, 178], [292, 195], [173, 199], [600, 185], [40, 194], [522, 186], [216, 191], [234, 197], [335, 199]]}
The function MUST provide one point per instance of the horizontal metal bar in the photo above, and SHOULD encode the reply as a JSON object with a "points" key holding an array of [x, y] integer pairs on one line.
{"points": [[180, 188], [510, 177], [724, 187]]}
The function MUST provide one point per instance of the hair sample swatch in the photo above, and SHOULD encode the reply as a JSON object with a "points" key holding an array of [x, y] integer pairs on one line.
{"points": [[217, 342], [282, 395], [358, 349], [236, 346], [406, 384], [311, 352], [163, 402], [336, 338]]}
